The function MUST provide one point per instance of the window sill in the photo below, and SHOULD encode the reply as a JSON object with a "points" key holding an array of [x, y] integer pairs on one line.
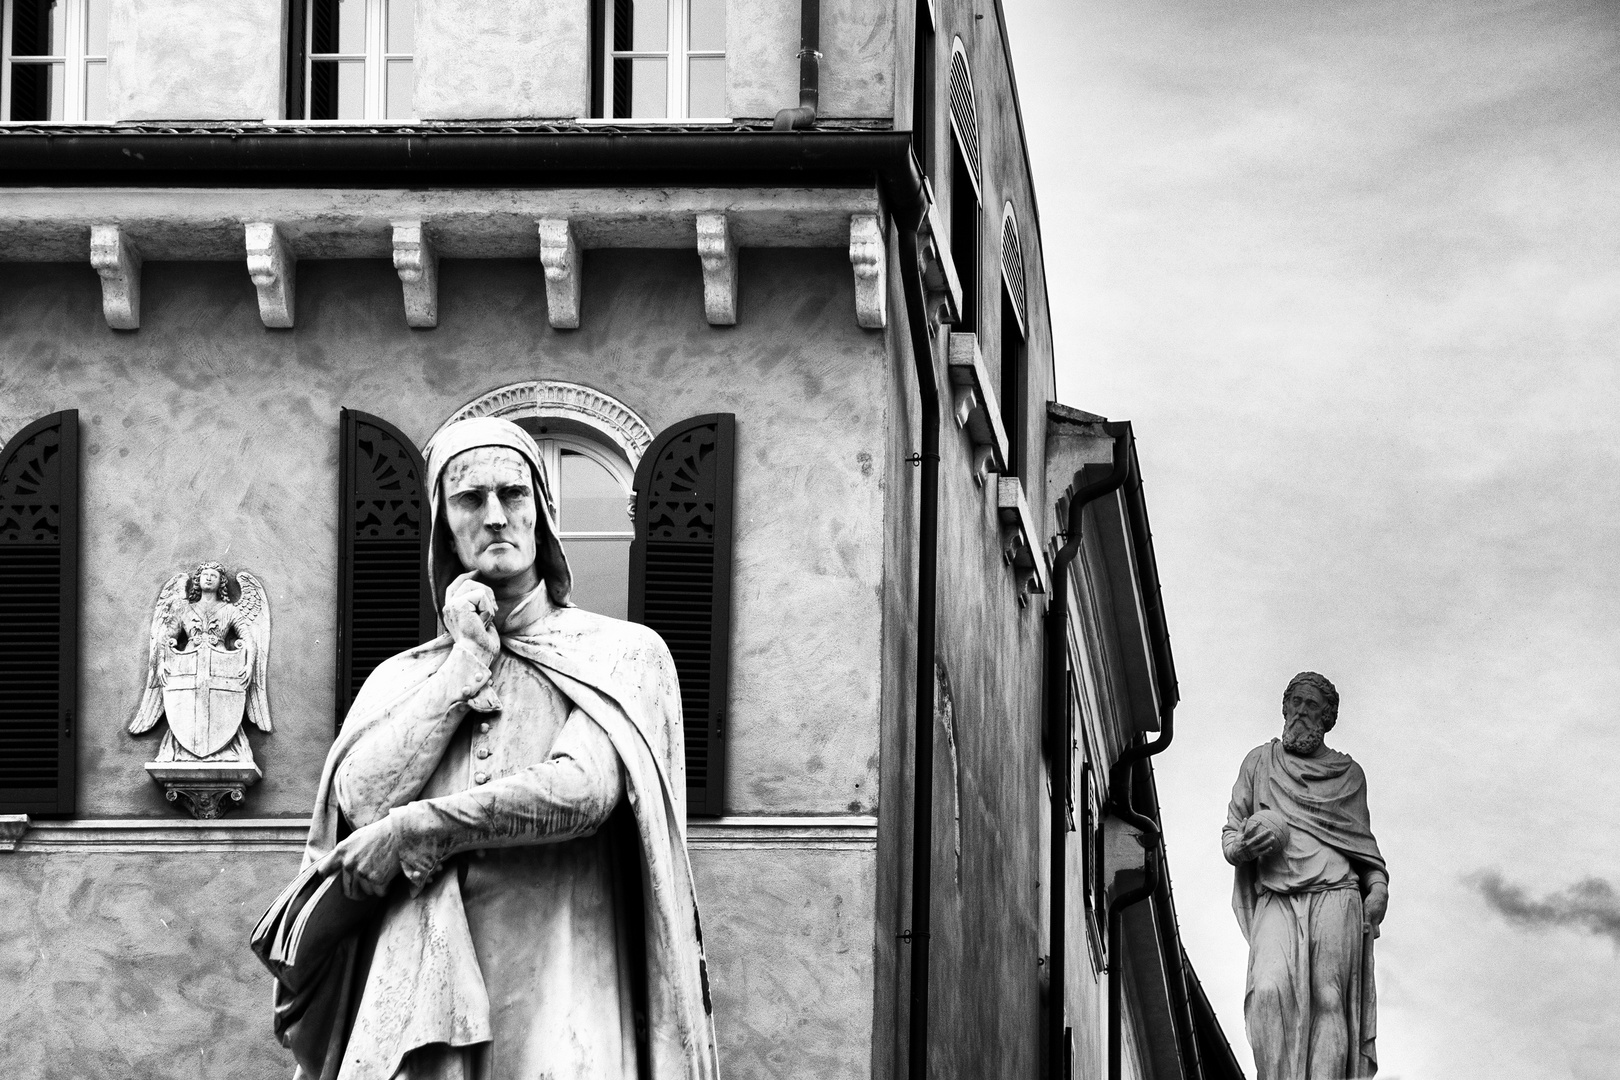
{"points": [[1018, 534], [976, 407]]}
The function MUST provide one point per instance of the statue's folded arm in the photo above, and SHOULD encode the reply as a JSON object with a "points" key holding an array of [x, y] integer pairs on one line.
{"points": [[398, 750], [568, 795]]}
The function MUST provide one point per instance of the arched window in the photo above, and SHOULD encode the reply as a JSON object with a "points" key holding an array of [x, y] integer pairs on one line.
{"points": [[592, 486], [591, 443]]}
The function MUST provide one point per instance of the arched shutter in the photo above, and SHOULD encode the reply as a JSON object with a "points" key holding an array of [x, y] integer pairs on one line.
{"points": [[680, 583], [384, 606], [39, 616]]}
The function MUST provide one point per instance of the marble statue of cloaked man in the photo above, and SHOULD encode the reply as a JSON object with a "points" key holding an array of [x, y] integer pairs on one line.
{"points": [[523, 773], [1310, 893]]}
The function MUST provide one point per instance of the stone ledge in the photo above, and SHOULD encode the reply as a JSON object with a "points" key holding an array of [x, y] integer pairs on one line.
{"points": [[206, 224], [286, 835], [1019, 548], [976, 406]]}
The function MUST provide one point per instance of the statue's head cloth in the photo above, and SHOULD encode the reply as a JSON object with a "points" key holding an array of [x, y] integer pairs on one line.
{"points": [[443, 564]]}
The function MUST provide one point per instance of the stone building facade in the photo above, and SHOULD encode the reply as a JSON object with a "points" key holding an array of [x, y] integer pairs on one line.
{"points": [[765, 279]]}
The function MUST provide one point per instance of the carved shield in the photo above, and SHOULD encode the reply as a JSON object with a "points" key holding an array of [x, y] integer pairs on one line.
{"points": [[204, 693]]}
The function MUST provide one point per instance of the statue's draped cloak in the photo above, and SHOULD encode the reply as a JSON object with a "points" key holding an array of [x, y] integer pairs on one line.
{"points": [[1325, 796], [621, 676]]}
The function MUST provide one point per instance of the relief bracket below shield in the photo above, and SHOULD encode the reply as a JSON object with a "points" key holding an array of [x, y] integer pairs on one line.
{"points": [[207, 789]]}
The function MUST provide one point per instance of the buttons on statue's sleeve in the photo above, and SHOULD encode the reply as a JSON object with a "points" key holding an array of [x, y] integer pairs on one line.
{"points": [[483, 728], [483, 751], [480, 778]]}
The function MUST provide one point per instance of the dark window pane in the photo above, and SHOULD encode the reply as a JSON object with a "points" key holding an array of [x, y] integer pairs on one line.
{"points": [[36, 92], [38, 28], [641, 87], [965, 237], [337, 90], [337, 26], [641, 25]]}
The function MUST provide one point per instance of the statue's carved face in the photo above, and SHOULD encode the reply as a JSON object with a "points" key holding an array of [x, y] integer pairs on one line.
{"points": [[208, 580], [1304, 719], [490, 508]]}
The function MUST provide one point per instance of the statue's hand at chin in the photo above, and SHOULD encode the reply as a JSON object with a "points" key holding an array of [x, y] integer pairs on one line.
{"points": [[469, 615]]}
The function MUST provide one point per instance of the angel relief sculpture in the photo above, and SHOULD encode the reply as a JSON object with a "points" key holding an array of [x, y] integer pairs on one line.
{"points": [[205, 676]]}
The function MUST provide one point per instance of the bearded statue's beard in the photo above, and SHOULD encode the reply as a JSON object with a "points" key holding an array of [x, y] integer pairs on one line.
{"points": [[1300, 738]]}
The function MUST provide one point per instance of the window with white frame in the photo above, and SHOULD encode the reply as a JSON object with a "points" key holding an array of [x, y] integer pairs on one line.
{"points": [[55, 60], [664, 59], [358, 59], [591, 484]]}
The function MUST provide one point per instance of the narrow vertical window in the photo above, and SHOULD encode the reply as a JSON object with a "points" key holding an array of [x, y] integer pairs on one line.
{"points": [[1014, 342], [55, 60], [384, 606], [965, 196], [358, 59], [922, 88], [680, 583], [39, 616], [663, 59]]}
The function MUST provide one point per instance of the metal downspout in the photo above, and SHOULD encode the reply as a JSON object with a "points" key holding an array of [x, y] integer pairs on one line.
{"points": [[1057, 671], [809, 70], [922, 833]]}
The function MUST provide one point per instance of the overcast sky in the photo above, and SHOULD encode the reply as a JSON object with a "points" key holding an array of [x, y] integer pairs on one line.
{"points": [[1353, 269]]}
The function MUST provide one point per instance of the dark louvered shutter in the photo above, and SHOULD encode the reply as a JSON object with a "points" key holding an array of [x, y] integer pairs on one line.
{"points": [[39, 616], [384, 606], [680, 583]]}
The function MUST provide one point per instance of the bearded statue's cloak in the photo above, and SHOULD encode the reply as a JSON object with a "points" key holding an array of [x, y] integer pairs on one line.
{"points": [[411, 982], [1324, 796]]}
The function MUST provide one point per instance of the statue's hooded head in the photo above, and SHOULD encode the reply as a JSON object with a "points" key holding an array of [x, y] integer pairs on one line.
{"points": [[444, 564]]}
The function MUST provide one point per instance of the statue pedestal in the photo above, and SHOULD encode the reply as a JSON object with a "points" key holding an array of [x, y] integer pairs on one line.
{"points": [[206, 788]]}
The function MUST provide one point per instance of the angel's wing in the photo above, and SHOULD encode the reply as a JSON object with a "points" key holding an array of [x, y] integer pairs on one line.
{"points": [[253, 627], [169, 603]]}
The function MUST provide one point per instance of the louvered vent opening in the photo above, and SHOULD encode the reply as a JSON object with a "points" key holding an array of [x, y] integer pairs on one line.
{"points": [[964, 112], [386, 583], [680, 607], [1012, 266], [30, 599]]}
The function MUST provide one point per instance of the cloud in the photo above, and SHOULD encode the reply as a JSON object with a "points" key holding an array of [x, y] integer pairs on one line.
{"points": [[1591, 904]]}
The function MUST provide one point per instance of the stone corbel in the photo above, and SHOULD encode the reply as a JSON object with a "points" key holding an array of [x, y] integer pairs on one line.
{"points": [[12, 827], [271, 264], [719, 257], [560, 255], [944, 288], [417, 261], [118, 261], [976, 406], [868, 255], [1018, 548]]}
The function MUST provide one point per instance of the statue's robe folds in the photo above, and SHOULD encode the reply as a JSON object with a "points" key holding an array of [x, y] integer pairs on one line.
{"points": [[535, 923], [1300, 909]]}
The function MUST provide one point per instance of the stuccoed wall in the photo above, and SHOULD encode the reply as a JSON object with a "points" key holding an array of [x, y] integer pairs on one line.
{"points": [[195, 59], [125, 965], [207, 436], [762, 58], [502, 59]]}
